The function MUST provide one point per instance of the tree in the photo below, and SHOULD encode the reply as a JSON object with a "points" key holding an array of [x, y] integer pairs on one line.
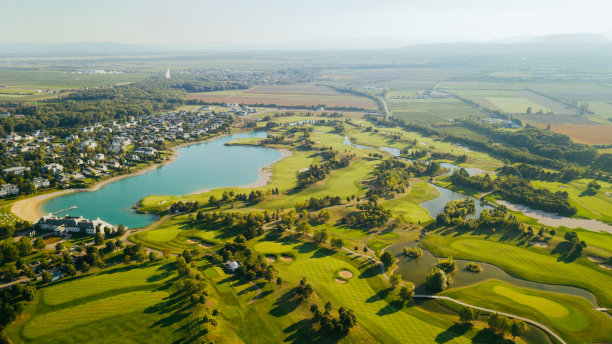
{"points": [[338, 243], [39, 243], [518, 328], [70, 270], [167, 252], [279, 281], [387, 259], [46, 276], [98, 238], [84, 267], [499, 324], [436, 279], [467, 315], [127, 259], [59, 246], [320, 237], [406, 294], [303, 227], [395, 280], [152, 256]]}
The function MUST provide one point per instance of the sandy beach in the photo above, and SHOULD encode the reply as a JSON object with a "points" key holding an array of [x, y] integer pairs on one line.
{"points": [[29, 209]]}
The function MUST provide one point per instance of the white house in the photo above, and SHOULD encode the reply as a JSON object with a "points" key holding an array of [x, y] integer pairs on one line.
{"points": [[9, 190]]}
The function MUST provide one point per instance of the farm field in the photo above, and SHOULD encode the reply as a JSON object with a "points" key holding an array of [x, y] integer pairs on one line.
{"points": [[574, 317], [423, 111], [591, 134], [510, 101], [288, 95]]}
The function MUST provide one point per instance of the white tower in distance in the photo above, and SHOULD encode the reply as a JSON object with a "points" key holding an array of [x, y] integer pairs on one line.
{"points": [[168, 73]]}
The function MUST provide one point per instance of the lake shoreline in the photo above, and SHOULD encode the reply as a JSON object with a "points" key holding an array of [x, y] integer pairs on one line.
{"points": [[29, 209], [265, 174]]}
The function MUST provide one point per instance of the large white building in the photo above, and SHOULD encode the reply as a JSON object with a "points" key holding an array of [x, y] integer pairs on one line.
{"points": [[62, 225]]}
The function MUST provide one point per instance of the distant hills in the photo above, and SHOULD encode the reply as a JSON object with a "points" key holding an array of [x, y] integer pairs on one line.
{"points": [[560, 43]]}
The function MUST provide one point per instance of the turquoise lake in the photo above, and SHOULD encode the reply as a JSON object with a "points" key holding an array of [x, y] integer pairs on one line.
{"points": [[197, 167]]}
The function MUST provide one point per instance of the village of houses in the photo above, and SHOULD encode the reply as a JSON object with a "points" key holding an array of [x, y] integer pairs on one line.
{"points": [[38, 161]]}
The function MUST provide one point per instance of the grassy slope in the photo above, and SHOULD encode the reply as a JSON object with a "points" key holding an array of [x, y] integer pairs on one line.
{"points": [[533, 264], [573, 317]]}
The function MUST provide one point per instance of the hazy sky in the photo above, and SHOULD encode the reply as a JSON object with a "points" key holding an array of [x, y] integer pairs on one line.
{"points": [[280, 21]]}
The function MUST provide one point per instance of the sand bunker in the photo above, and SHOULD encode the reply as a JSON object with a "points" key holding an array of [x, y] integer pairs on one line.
{"points": [[597, 259], [205, 245], [345, 274], [270, 258], [192, 241], [539, 244], [286, 258], [339, 280], [605, 266]]}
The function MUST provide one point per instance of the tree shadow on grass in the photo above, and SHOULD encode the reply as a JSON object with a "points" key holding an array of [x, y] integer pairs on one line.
{"points": [[380, 295], [391, 307], [486, 336], [323, 252], [457, 330], [303, 332], [174, 306], [371, 271], [285, 304]]}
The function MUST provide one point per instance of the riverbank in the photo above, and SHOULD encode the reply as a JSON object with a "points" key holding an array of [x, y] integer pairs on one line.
{"points": [[554, 220], [29, 209]]}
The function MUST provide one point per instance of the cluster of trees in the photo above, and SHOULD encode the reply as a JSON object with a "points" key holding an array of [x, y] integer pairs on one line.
{"points": [[502, 325], [447, 265], [318, 172], [517, 190], [437, 279], [303, 290], [391, 176], [12, 300], [531, 172], [573, 244], [334, 325], [184, 207], [250, 225], [473, 267], [94, 105], [592, 188], [413, 252], [530, 145], [252, 266], [370, 214], [191, 282], [318, 203], [455, 212]]}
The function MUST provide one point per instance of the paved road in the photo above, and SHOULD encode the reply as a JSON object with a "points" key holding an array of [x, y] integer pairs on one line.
{"points": [[535, 323]]}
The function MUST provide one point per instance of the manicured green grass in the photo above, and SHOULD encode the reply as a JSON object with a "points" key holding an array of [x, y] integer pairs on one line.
{"points": [[91, 312], [104, 282], [178, 234], [572, 317], [523, 262], [409, 206]]}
